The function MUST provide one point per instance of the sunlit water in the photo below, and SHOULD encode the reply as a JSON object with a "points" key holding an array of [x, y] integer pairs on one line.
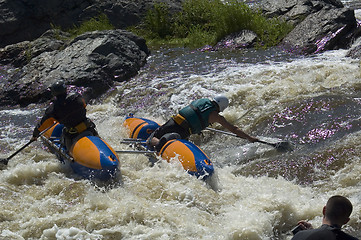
{"points": [[257, 192]]}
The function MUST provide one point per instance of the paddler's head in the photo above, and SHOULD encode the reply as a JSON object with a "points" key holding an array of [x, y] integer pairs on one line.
{"points": [[58, 89], [221, 101]]}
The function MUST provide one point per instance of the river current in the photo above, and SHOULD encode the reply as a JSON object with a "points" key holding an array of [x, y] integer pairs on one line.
{"points": [[257, 192]]}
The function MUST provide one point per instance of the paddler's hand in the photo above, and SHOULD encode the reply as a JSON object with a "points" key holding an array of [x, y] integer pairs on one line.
{"points": [[305, 225], [36, 134], [33, 138]]}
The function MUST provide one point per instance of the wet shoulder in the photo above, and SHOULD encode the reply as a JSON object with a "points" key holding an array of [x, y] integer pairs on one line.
{"points": [[315, 234], [75, 98]]}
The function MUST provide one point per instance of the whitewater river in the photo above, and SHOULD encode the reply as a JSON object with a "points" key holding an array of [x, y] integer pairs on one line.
{"points": [[256, 193]]}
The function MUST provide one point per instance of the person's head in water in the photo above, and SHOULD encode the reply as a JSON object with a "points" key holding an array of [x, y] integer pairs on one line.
{"points": [[337, 210], [222, 102], [58, 89]]}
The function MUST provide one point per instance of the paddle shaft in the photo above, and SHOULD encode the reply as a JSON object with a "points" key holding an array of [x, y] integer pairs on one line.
{"points": [[235, 135], [6, 160]]}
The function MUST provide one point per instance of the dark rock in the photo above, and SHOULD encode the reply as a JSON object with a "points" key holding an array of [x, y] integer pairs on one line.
{"points": [[243, 39], [20, 54], [355, 50], [25, 20], [327, 29], [319, 25], [295, 11], [124, 13], [92, 61]]}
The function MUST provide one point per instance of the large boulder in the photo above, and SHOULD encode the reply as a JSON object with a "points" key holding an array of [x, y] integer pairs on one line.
{"points": [[327, 29], [19, 54], [319, 25], [295, 11], [92, 62], [26, 20]]}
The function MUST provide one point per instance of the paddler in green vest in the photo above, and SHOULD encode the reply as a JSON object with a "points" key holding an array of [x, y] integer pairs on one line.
{"points": [[194, 118]]}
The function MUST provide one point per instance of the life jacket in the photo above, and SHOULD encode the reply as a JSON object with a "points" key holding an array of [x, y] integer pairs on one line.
{"points": [[197, 114], [69, 111]]}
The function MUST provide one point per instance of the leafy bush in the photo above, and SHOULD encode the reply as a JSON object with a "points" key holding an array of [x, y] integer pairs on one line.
{"points": [[100, 23], [157, 20], [203, 22]]}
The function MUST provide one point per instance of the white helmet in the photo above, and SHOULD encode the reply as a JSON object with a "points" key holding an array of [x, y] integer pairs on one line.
{"points": [[222, 102]]}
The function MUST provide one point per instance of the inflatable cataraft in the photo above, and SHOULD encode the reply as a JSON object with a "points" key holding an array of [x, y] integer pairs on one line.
{"points": [[192, 158], [90, 157]]}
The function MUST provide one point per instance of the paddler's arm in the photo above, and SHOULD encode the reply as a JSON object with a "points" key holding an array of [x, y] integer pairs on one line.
{"points": [[215, 117], [46, 121]]}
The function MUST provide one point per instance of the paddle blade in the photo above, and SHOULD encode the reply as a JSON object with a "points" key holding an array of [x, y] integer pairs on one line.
{"points": [[284, 146], [4, 161]]}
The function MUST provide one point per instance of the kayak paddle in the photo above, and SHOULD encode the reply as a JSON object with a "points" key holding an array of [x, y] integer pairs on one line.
{"points": [[6, 160], [283, 146]]}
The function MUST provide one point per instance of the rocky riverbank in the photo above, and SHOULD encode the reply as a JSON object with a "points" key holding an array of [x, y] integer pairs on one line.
{"points": [[92, 62]]}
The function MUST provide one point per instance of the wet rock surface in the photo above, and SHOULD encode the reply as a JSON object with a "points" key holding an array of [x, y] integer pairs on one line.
{"points": [[92, 61]]}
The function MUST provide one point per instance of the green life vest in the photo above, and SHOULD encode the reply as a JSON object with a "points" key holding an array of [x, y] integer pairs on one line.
{"points": [[197, 114]]}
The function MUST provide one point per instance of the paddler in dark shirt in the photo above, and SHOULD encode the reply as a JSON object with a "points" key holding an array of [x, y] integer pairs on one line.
{"points": [[335, 214], [194, 118], [69, 110]]}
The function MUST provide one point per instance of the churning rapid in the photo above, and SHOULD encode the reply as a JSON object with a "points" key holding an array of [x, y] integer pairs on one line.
{"points": [[256, 193]]}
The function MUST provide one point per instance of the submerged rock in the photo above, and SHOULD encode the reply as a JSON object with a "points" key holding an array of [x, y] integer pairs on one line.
{"points": [[242, 39], [355, 51]]}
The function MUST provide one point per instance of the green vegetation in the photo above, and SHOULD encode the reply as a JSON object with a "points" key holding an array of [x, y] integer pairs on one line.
{"points": [[205, 22], [101, 22]]}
